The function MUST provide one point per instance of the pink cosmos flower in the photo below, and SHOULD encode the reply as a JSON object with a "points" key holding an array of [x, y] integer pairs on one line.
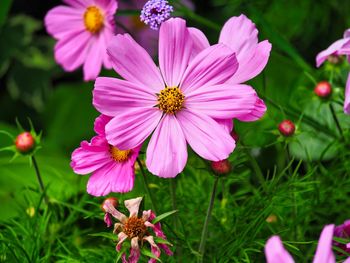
{"points": [[112, 169], [240, 34], [83, 30], [137, 229], [276, 253], [339, 47], [178, 103]]}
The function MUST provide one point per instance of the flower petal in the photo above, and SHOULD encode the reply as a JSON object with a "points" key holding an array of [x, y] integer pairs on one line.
{"points": [[130, 129], [109, 208], [63, 20], [258, 111], [121, 238], [89, 158], [133, 205], [206, 137], [100, 124], [166, 154], [94, 59], [347, 96], [213, 66], [71, 51], [134, 251], [331, 50], [78, 3], [175, 49], [249, 67], [324, 253], [112, 96], [154, 248], [200, 41], [227, 124], [275, 252], [133, 63], [225, 101]]}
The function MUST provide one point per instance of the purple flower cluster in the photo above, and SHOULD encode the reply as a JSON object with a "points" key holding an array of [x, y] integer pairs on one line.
{"points": [[155, 12]]}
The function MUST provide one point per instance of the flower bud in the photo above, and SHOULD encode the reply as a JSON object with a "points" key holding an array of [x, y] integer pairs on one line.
{"points": [[235, 135], [112, 200], [221, 167], [286, 128], [25, 142], [323, 89], [334, 59]]}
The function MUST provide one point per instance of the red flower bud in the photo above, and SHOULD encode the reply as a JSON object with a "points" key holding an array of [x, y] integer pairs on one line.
{"points": [[235, 135], [286, 128], [25, 142], [112, 200], [221, 167], [323, 89]]}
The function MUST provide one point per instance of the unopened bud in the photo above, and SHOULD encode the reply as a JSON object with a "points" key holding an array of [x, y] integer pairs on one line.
{"points": [[323, 89], [221, 167], [25, 142], [286, 128], [334, 59]]}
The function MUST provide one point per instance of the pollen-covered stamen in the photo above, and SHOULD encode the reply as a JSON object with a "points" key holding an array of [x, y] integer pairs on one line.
{"points": [[170, 100], [134, 227], [119, 155], [93, 19]]}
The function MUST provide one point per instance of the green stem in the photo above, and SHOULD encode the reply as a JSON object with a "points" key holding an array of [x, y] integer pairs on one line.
{"points": [[145, 182], [201, 248], [173, 199], [336, 121], [40, 180]]}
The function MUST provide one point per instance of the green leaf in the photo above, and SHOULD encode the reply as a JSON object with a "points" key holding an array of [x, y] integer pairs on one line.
{"points": [[162, 216], [144, 251], [159, 240], [105, 235], [4, 9]]}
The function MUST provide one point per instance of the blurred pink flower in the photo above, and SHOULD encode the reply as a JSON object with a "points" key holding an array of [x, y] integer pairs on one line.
{"points": [[112, 169], [137, 230], [276, 253], [178, 103], [339, 47], [343, 231], [240, 34], [83, 30]]}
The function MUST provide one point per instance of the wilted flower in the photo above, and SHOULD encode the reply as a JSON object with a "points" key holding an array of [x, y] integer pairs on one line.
{"points": [[112, 169], [323, 89], [276, 253], [83, 30], [155, 12], [286, 128], [137, 229], [343, 231], [110, 201], [240, 34], [339, 47], [178, 103]]}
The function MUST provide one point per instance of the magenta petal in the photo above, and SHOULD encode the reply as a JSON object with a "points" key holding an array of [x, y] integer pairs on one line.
{"points": [[63, 20], [206, 137], [200, 41], [257, 112], [87, 158], [175, 49], [324, 253], [167, 151], [112, 96], [249, 67], [275, 252], [347, 96], [71, 51], [100, 124], [94, 59], [331, 50], [213, 66], [133, 63], [134, 251], [79, 3], [226, 124], [130, 129], [222, 101]]}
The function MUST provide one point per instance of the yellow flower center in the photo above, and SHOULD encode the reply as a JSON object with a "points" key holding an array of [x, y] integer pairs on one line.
{"points": [[119, 155], [93, 19], [134, 227], [170, 100]]}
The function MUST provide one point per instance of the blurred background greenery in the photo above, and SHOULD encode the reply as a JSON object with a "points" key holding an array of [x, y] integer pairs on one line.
{"points": [[33, 86]]}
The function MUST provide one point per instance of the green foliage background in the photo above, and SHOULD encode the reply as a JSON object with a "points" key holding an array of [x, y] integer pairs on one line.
{"points": [[305, 185]]}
